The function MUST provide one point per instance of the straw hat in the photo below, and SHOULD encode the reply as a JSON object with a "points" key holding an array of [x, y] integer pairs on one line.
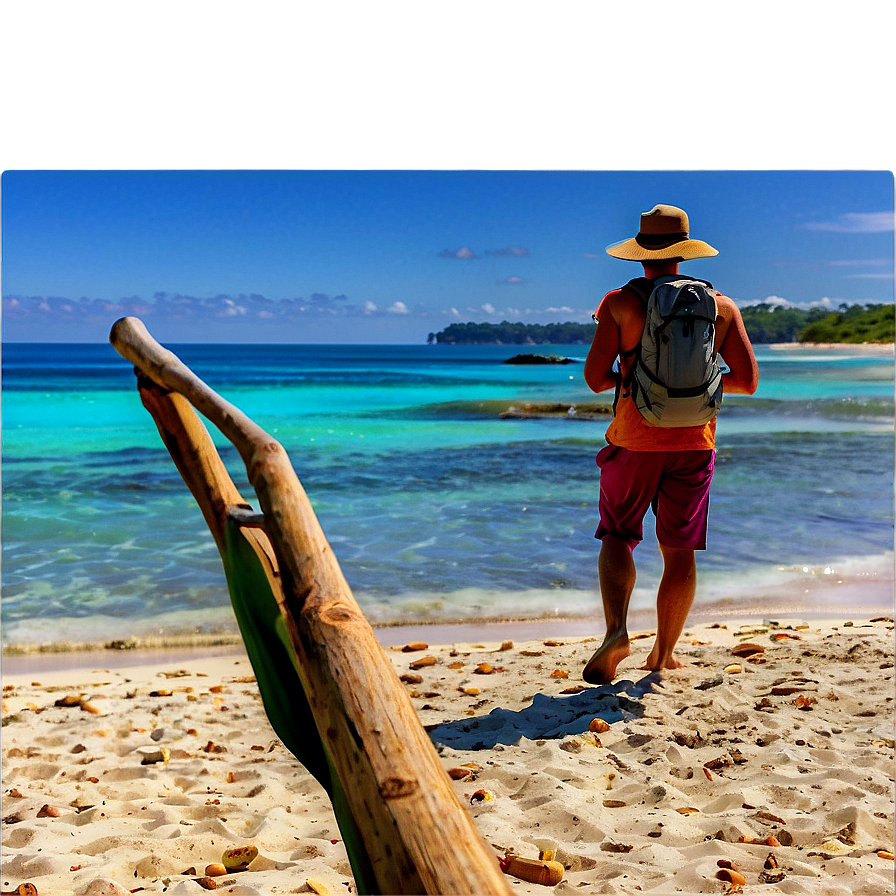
{"points": [[663, 235]]}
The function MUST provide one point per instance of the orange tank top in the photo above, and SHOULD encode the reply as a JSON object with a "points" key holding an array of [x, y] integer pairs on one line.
{"points": [[630, 430]]}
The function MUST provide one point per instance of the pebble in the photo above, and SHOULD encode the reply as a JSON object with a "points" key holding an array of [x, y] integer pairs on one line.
{"points": [[414, 645], [68, 701], [748, 649], [150, 757], [599, 726], [423, 662], [735, 878]]}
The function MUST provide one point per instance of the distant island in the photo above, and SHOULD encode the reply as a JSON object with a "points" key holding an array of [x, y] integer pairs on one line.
{"points": [[765, 323]]}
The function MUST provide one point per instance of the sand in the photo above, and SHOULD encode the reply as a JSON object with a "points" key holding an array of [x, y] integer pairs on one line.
{"points": [[154, 770]]}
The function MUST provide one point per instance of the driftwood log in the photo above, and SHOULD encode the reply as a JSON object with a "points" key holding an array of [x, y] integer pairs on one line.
{"points": [[418, 836]]}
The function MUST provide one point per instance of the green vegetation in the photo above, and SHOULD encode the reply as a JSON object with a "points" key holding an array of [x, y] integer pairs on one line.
{"points": [[765, 323], [853, 324], [514, 334], [777, 323]]}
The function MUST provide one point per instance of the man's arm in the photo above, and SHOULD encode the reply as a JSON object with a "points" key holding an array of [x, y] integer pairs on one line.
{"points": [[603, 352], [738, 354]]}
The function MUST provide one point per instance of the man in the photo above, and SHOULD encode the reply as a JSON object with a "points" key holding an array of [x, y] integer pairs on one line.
{"points": [[643, 464]]}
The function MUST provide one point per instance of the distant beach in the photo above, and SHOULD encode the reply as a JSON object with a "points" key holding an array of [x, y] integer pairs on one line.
{"points": [[882, 349]]}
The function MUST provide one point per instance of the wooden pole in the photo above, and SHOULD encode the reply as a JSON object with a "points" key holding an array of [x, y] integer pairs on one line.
{"points": [[419, 837]]}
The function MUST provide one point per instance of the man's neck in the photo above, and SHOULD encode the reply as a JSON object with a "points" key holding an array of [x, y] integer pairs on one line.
{"points": [[653, 269]]}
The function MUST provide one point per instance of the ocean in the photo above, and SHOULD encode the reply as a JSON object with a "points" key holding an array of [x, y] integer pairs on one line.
{"points": [[438, 509]]}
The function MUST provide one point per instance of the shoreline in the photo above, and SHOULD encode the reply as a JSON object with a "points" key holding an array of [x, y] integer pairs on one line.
{"points": [[883, 349], [27, 658]]}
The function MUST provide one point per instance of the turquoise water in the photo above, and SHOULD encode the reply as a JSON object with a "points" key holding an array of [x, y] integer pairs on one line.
{"points": [[437, 508]]}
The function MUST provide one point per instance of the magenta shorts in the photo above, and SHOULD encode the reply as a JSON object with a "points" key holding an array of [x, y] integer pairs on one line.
{"points": [[674, 483]]}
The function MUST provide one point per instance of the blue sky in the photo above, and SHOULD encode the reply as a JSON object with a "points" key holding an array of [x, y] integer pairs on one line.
{"points": [[206, 226], [390, 256]]}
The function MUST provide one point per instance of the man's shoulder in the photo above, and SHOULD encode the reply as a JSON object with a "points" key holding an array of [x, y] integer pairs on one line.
{"points": [[726, 305], [623, 295]]}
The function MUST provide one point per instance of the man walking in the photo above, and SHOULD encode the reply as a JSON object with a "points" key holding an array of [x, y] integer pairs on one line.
{"points": [[668, 467]]}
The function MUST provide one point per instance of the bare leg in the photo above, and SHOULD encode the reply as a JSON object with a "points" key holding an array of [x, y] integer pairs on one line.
{"points": [[617, 581], [673, 603]]}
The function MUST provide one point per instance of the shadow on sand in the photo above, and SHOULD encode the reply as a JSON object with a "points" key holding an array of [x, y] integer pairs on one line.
{"points": [[547, 716]]}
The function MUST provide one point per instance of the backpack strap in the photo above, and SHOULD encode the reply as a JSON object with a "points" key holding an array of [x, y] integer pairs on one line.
{"points": [[641, 287]]}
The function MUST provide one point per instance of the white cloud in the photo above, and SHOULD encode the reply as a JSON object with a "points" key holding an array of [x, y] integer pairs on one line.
{"points": [[465, 252], [563, 309], [488, 308], [397, 308], [856, 222], [779, 302], [231, 309], [454, 312], [369, 307], [512, 281]]}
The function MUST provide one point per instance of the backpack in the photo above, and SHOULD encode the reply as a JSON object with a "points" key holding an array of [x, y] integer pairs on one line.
{"points": [[676, 379]]}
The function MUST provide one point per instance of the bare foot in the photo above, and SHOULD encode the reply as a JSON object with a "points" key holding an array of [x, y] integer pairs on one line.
{"points": [[655, 663], [601, 667]]}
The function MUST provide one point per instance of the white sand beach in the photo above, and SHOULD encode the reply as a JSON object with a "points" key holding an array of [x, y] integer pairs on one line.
{"points": [[774, 761]]}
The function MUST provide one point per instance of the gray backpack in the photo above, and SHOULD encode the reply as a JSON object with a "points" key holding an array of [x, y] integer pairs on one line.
{"points": [[676, 379]]}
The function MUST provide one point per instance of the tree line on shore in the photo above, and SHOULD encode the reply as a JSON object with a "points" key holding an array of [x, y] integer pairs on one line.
{"points": [[765, 323]]}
